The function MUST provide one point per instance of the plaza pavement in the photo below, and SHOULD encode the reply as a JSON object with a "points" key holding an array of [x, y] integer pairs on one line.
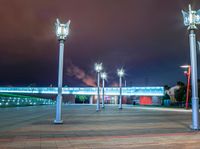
{"points": [[132, 127]]}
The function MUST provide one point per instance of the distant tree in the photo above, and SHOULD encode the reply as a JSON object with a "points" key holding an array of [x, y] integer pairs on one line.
{"points": [[180, 83], [81, 98], [180, 94], [166, 87], [166, 96]]}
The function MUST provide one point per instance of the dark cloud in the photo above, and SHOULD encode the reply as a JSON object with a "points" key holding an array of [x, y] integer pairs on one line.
{"points": [[147, 38]]}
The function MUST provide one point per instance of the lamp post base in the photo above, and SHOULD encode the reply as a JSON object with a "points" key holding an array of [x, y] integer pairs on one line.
{"points": [[58, 122], [120, 108], [195, 129], [97, 110]]}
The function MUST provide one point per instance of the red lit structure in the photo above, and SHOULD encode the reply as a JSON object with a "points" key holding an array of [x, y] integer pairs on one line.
{"points": [[145, 100], [188, 74]]}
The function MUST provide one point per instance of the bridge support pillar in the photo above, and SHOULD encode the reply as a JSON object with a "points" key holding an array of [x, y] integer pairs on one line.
{"points": [[91, 99], [116, 100]]}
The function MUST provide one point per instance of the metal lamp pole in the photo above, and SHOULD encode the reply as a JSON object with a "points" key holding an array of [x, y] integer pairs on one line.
{"points": [[62, 30], [103, 77], [120, 73], [98, 68], [191, 19]]}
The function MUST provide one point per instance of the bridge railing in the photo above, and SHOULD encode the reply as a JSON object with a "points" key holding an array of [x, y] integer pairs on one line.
{"points": [[129, 91]]}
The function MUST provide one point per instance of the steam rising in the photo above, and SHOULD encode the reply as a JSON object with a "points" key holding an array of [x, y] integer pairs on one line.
{"points": [[80, 74]]}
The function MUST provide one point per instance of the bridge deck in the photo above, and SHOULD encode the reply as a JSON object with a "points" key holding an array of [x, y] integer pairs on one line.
{"points": [[129, 91]]}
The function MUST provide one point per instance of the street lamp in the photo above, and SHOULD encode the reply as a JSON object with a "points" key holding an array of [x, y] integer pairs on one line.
{"points": [[120, 73], [191, 19], [62, 30], [188, 74], [98, 68], [103, 77]]}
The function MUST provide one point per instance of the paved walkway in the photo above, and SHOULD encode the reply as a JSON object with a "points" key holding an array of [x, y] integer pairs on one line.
{"points": [[32, 127]]}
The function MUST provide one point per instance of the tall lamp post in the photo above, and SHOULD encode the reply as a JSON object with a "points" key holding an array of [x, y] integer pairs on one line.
{"points": [[98, 68], [191, 19], [120, 73], [188, 74], [62, 30], [103, 77]]}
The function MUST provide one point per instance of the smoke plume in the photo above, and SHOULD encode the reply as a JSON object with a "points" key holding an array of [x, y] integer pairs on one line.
{"points": [[80, 74]]}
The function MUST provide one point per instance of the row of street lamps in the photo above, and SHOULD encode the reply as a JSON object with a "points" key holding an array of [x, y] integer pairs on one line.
{"points": [[191, 19], [103, 75], [62, 31]]}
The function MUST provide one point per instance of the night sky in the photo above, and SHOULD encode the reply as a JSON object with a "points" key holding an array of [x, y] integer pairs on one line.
{"points": [[145, 37]]}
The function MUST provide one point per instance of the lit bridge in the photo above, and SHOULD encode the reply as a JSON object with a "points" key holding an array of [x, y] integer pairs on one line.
{"points": [[126, 91]]}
